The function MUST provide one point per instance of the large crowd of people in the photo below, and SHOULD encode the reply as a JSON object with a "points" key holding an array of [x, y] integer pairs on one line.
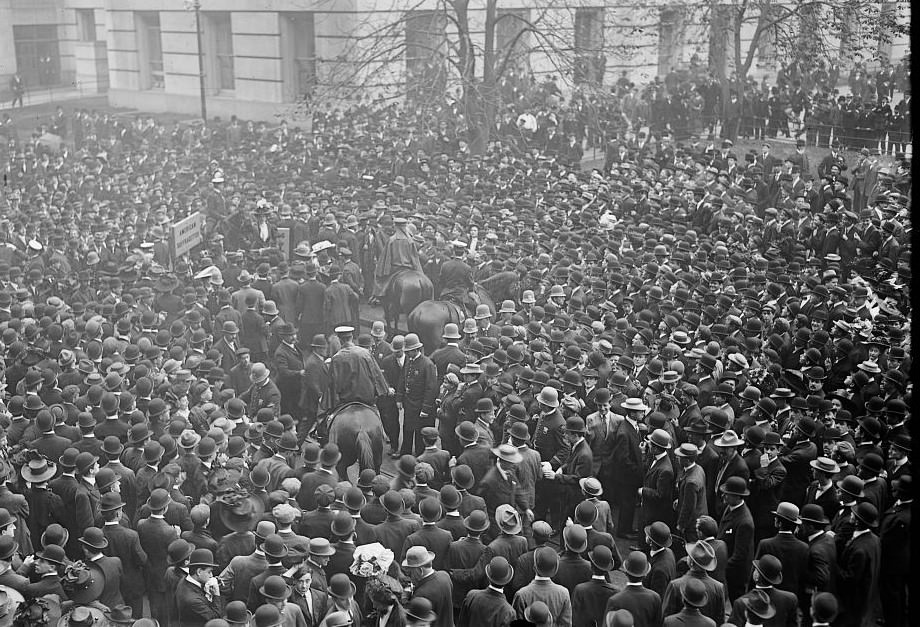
{"points": [[700, 376]]}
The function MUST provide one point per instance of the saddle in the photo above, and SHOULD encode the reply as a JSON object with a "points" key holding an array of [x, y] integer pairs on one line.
{"points": [[465, 306]]}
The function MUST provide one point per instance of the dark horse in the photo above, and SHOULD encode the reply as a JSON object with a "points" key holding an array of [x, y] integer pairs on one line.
{"points": [[356, 429], [503, 286], [403, 294], [428, 319]]}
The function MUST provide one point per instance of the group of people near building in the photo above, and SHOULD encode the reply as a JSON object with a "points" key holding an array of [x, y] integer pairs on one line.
{"points": [[691, 406]]}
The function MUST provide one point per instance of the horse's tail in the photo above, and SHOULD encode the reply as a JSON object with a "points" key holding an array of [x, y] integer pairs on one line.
{"points": [[365, 450]]}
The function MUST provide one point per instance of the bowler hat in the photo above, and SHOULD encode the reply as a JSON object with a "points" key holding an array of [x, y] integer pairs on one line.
{"points": [[449, 497], [546, 561], [93, 538], [866, 513], [270, 616], [275, 588], [499, 571], [787, 511], [417, 556], [466, 431], [201, 558], [694, 593], [736, 486], [660, 438], [770, 568], [462, 476], [636, 564], [659, 533], [813, 513], [824, 607]]}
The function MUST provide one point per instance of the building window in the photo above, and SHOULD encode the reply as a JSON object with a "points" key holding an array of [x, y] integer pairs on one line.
{"points": [[38, 56], [512, 39], [590, 62], [86, 24], [299, 43], [149, 50], [219, 33], [426, 70], [670, 33]]}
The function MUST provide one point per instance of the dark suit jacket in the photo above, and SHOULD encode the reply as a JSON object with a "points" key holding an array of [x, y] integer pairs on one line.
{"points": [[228, 357], [688, 617], [254, 332], [573, 570], [288, 362], [479, 458], [438, 589], [577, 466], [736, 467], [798, 472], [51, 445], [626, 461], [737, 529], [434, 539], [894, 541], [341, 561], [829, 500], [194, 608], [658, 492], [470, 502], [484, 607], [111, 568], [392, 533], [306, 497], [65, 487], [496, 490], [238, 573], [793, 555], [420, 384], [261, 396], [86, 505], [691, 498], [822, 564], [765, 487], [672, 602], [857, 578], [155, 534], [642, 603], [125, 544], [663, 568], [589, 602], [445, 356], [49, 584]]}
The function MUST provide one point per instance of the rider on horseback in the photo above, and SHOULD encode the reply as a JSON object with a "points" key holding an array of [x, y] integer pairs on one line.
{"points": [[354, 372], [457, 279], [400, 254]]}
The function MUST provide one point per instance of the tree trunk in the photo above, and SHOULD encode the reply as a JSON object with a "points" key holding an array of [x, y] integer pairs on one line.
{"points": [[481, 102]]}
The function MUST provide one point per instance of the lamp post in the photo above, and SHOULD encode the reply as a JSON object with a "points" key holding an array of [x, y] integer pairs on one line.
{"points": [[195, 5]]}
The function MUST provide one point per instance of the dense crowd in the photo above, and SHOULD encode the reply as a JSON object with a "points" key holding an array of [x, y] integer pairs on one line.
{"points": [[701, 376]]}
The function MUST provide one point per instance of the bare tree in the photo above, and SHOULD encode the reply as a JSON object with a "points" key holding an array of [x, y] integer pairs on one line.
{"points": [[803, 31], [449, 55]]}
